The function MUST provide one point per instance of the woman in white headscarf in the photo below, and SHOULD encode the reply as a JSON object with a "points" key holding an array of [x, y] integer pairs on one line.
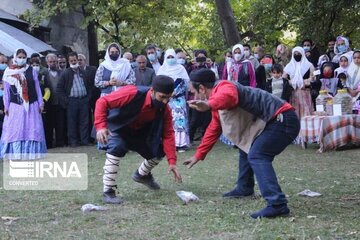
{"points": [[114, 71], [342, 46], [177, 103], [23, 135], [353, 81], [300, 72], [240, 70], [343, 65]]}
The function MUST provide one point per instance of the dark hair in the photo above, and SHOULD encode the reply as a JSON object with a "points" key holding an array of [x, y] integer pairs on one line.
{"points": [[196, 85], [342, 76], [197, 52], [178, 50], [115, 46], [35, 55], [277, 68], [151, 46], [332, 39], [73, 54], [307, 40], [227, 53], [247, 45], [21, 51], [356, 51]]}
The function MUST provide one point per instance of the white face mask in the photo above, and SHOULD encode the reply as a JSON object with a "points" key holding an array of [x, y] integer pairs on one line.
{"points": [[228, 59], [73, 66], [37, 68], [256, 55], [21, 61], [237, 57], [246, 53]]}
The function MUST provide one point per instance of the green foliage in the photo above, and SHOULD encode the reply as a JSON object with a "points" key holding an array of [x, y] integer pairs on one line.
{"points": [[192, 24]]}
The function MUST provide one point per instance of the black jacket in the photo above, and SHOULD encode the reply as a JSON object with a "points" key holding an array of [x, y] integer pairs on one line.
{"points": [[66, 82]]}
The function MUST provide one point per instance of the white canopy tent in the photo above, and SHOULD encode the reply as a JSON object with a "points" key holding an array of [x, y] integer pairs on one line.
{"points": [[12, 39]]}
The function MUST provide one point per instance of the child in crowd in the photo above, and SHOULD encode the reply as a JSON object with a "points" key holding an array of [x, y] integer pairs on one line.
{"points": [[344, 65], [329, 81], [277, 85]]}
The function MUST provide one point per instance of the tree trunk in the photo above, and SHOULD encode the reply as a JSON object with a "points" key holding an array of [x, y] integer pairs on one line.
{"points": [[93, 45], [228, 23]]}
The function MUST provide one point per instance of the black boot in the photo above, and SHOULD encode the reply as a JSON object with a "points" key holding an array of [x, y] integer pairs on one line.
{"points": [[110, 197], [147, 180]]}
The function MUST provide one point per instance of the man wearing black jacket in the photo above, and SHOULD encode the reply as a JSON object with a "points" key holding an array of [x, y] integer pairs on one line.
{"points": [[74, 89]]}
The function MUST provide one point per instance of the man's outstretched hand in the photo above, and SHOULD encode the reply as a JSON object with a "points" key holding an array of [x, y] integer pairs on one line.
{"points": [[177, 176], [191, 162], [199, 105]]}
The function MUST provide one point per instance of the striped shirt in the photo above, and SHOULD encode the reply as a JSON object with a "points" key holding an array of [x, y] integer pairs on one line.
{"points": [[78, 88]]}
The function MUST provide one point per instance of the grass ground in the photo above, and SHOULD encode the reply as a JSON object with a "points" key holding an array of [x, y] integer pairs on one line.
{"points": [[161, 215]]}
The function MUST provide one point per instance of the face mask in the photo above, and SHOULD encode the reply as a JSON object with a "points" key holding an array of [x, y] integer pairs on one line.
{"points": [[341, 48], [181, 61], [171, 61], [267, 66], [151, 57], [200, 59], [237, 57], [158, 53], [156, 103], [297, 58], [3, 66], [306, 48], [228, 59], [246, 53], [36, 68], [21, 61], [114, 56], [327, 74], [73, 66], [256, 55]]}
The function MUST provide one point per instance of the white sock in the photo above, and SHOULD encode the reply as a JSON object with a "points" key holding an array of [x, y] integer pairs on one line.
{"points": [[147, 165], [110, 172]]}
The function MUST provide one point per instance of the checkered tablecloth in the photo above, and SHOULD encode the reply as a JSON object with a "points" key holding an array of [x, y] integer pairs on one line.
{"points": [[331, 132]]}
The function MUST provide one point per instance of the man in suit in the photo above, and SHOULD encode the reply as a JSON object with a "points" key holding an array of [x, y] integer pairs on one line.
{"points": [[55, 113], [144, 75], [74, 91]]}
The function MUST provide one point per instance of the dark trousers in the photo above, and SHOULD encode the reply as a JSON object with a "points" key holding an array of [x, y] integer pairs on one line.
{"points": [[134, 140], [78, 121], [277, 135], [197, 120], [55, 121]]}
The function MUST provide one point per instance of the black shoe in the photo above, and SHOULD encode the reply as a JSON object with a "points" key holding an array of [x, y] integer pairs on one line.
{"points": [[272, 211], [110, 197], [147, 180], [237, 194]]}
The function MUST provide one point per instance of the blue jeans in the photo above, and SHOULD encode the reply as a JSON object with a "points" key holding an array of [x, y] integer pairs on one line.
{"points": [[277, 135]]}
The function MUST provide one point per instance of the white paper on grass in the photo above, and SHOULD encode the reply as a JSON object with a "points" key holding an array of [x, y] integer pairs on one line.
{"points": [[337, 110], [187, 196], [320, 108], [309, 193]]}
